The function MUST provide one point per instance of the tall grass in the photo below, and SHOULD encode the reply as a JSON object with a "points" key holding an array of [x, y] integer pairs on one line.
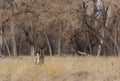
{"points": [[60, 69]]}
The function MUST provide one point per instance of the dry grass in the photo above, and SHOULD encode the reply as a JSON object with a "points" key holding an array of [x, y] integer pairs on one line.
{"points": [[60, 69]]}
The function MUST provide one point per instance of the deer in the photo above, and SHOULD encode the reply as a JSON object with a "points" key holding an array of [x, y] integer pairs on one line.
{"points": [[40, 57]]}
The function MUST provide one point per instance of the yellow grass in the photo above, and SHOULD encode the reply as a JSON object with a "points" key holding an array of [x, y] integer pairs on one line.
{"points": [[60, 69]]}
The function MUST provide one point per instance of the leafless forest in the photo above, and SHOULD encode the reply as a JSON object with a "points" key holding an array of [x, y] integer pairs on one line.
{"points": [[60, 26], [59, 40]]}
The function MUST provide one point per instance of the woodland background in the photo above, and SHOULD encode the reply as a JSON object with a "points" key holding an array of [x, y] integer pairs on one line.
{"points": [[60, 27]]}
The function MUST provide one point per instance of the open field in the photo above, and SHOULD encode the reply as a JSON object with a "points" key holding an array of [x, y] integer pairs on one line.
{"points": [[60, 69]]}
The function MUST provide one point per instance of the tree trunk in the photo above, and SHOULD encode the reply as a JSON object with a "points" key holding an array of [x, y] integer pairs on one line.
{"points": [[116, 47], [100, 45], [32, 49], [6, 44], [1, 41], [115, 36], [14, 48], [12, 24], [59, 40], [48, 42]]}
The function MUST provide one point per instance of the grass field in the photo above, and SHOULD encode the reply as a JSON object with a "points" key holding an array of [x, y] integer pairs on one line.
{"points": [[60, 69]]}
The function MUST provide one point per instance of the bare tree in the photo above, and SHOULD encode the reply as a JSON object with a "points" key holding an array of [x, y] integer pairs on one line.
{"points": [[48, 42], [1, 41], [59, 40], [12, 24]]}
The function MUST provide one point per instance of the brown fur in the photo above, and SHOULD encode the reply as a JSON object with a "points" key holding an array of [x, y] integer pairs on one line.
{"points": [[40, 57]]}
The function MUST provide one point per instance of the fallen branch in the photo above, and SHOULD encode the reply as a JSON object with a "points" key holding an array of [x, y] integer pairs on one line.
{"points": [[82, 53]]}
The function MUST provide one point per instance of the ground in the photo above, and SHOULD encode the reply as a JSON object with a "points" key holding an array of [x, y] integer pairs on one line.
{"points": [[66, 68]]}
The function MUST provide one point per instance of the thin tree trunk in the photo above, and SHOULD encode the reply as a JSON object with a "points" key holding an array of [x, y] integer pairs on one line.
{"points": [[32, 49], [12, 24], [116, 47], [48, 42], [101, 41], [6, 44], [59, 40], [1, 42], [14, 48], [115, 36]]}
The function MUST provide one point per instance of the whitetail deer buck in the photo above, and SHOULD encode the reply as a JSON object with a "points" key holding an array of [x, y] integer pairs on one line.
{"points": [[40, 57]]}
